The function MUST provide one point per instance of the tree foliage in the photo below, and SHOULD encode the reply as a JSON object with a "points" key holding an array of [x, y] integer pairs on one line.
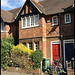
{"points": [[37, 57], [6, 46], [20, 56], [22, 49]]}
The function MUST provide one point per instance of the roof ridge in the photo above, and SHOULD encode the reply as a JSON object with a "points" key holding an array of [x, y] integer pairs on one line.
{"points": [[7, 11], [14, 9], [42, 1], [40, 4]]}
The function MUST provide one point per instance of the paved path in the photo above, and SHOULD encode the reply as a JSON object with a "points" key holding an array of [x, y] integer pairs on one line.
{"points": [[12, 73], [16, 73]]}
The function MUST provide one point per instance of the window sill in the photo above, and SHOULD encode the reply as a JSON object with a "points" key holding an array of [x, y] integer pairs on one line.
{"points": [[3, 31], [68, 23], [30, 27], [54, 25]]}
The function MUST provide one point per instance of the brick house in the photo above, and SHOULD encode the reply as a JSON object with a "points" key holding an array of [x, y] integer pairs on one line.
{"points": [[47, 25]]}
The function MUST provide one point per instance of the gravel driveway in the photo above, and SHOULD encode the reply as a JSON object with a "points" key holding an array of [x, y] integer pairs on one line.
{"points": [[12, 73], [16, 73]]}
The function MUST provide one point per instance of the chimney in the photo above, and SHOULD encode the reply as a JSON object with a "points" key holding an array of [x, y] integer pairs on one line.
{"points": [[37, 1]]}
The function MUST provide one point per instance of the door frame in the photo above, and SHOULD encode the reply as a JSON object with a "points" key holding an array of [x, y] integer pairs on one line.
{"points": [[55, 42], [64, 42]]}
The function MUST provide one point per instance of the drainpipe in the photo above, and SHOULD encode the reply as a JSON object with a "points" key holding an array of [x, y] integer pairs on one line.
{"points": [[61, 38]]}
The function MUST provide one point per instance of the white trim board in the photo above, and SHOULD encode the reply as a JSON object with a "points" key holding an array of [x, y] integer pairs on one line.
{"points": [[64, 42], [55, 42]]}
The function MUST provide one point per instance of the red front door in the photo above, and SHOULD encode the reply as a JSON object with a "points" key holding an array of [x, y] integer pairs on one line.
{"points": [[56, 51]]}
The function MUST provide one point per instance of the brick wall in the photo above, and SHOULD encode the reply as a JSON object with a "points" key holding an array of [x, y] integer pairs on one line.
{"points": [[15, 31], [67, 29], [5, 33], [30, 32]]}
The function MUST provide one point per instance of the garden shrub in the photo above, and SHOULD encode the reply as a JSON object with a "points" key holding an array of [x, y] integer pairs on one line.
{"points": [[36, 58], [19, 55], [6, 46], [9, 39], [22, 49]]}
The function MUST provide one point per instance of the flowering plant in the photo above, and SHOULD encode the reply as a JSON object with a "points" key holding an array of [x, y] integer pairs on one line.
{"points": [[22, 49]]}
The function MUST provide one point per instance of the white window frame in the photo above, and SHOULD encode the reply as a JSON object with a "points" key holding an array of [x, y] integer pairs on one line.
{"points": [[35, 46], [30, 22], [34, 20], [2, 24], [28, 45], [53, 20], [69, 18]]}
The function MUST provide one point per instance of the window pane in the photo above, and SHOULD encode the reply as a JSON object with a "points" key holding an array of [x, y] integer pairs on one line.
{"points": [[24, 22], [55, 20], [2, 26], [30, 45], [36, 45], [67, 18], [32, 20], [28, 21], [36, 20]]}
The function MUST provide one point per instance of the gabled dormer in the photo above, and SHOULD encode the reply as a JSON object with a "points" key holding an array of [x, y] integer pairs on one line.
{"points": [[29, 14], [29, 9]]}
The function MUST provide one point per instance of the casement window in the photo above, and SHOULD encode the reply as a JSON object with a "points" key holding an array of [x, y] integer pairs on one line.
{"points": [[67, 18], [2, 26], [54, 20], [36, 20], [24, 22], [36, 46], [30, 45], [30, 21]]}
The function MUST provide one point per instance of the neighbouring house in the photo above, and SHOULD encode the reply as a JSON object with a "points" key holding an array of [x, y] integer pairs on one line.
{"points": [[9, 25], [47, 25]]}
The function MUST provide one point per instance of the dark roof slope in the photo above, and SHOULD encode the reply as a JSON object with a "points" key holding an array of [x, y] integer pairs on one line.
{"points": [[14, 12], [6, 16], [46, 7], [9, 16], [55, 6], [38, 6]]}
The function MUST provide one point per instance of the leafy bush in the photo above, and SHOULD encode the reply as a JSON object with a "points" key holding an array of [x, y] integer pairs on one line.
{"points": [[6, 46], [36, 58], [10, 39], [22, 49], [19, 55]]}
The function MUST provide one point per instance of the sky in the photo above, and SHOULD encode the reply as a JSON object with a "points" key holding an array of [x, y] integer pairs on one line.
{"points": [[11, 4]]}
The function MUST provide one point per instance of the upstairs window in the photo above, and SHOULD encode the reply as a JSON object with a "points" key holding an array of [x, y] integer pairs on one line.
{"points": [[36, 46], [30, 21], [67, 18], [24, 22], [54, 20], [2, 26], [36, 20]]}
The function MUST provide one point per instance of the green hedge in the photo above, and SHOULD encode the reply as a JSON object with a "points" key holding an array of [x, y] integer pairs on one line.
{"points": [[6, 46], [36, 58]]}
